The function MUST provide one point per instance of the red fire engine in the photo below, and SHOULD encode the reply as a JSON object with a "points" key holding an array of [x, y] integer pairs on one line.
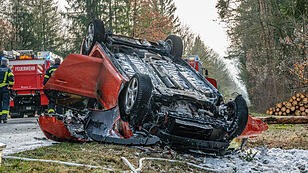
{"points": [[195, 62], [29, 70]]}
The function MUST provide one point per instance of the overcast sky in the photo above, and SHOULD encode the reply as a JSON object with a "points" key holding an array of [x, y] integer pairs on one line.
{"points": [[202, 17]]}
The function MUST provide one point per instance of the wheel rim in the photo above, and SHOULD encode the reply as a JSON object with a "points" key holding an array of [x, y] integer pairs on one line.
{"points": [[131, 94], [89, 37]]}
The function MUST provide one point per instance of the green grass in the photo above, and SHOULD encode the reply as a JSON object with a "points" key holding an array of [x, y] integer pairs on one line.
{"points": [[108, 156], [254, 114]]}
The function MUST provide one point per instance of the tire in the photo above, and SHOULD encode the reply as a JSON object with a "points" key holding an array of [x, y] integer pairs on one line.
{"points": [[241, 111], [139, 89], [95, 33], [176, 46], [17, 115], [31, 115]]}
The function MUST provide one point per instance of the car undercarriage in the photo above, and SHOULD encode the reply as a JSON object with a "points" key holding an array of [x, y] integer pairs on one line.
{"points": [[129, 91]]}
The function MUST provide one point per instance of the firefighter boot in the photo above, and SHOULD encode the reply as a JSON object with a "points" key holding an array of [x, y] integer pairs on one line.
{"points": [[4, 118]]}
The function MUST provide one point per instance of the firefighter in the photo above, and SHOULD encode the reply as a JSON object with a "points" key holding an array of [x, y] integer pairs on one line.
{"points": [[6, 81], [48, 74]]}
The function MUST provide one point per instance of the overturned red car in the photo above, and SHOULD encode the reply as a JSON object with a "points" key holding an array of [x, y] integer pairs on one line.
{"points": [[129, 91]]}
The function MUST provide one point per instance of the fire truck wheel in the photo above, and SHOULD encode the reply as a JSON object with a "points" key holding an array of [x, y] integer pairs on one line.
{"points": [[176, 46], [31, 115], [95, 33], [17, 115]]}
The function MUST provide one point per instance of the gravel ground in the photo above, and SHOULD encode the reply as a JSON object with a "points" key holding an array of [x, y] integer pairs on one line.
{"points": [[22, 134], [261, 160]]}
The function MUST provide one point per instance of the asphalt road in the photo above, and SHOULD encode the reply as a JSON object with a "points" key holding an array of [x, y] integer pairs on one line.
{"points": [[22, 134]]}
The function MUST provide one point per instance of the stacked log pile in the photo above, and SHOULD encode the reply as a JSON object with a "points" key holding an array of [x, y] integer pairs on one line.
{"points": [[297, 105]]}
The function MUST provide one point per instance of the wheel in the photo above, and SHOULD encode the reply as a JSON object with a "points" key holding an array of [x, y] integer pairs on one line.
{"points": [[241, 116], [136, 99], [32, 114], [176, 45], [95, 33], [17, 115]]}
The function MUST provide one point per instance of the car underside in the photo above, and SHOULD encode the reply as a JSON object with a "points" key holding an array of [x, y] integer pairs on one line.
{"points": [[129, 91]]}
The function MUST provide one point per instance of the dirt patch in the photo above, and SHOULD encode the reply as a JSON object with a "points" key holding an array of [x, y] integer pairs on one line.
{"points": [[282, 136]]}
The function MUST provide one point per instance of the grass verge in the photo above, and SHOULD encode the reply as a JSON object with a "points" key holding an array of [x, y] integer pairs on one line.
{"points": [[285, 136], [95, 154]]}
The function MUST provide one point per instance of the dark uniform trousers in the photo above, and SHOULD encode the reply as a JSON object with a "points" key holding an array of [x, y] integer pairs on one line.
{"points": [[52, 108], [6, 79], [5, 102]]}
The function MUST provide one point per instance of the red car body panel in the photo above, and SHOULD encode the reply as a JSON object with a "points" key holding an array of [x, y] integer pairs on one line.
{"points": [[212, 81], [91, 74], [109, 80], [253, 128], [85, 69], [55, 129]]}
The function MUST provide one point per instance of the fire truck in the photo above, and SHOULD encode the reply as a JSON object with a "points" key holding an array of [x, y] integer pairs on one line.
{"points": [[29, 69], [195, 62]]}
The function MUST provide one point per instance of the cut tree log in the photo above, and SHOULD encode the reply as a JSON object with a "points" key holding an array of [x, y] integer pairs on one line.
{"points": [[279, 105], [297, 104], [301, 104], [285, 119], [294, 103], [303, 114], [288, 105], [297, 113]]}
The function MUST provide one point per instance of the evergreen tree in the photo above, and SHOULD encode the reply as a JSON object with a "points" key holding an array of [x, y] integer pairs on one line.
{"points": [[36, 25], [47, 26]]}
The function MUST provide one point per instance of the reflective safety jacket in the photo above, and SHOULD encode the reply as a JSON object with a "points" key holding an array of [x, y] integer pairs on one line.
{"points": [[49, 73], [6, 76]]}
